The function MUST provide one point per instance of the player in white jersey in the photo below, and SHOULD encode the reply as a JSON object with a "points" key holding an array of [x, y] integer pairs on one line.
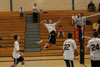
{"points": [[17, 55], [94, 48], [51, 27], [69, 47]]}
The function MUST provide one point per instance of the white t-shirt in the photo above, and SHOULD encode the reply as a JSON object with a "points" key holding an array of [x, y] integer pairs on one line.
{"points": [[35, 9], [16, 48], [21, 11], [51, 27], [69, 46], [80, 21], [94, 45], [74, 18]]}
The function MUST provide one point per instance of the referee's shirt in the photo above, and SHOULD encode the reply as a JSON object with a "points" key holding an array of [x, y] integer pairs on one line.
{"points": [[80, 21], [94, 45], [69, 46]]}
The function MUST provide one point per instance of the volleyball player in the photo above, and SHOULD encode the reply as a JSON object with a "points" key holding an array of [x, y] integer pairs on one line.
{"points": [[51, 27], [94, 48], [69, 47], [17, 55]]}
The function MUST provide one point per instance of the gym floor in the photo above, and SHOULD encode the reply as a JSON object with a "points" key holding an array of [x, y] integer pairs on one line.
{"points": [[46, 61]]}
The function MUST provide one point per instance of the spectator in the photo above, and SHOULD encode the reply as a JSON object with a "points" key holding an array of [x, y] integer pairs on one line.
{"points": [[91, 7], [99, 7], [35, 13], [99, 24], [98, 34], [74, 18], [0, 45], [61, 31], [0, 38], [95, 27], [21, 12]]}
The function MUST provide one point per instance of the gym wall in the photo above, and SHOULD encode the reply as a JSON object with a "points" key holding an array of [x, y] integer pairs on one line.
{"points": [[46, 4]]}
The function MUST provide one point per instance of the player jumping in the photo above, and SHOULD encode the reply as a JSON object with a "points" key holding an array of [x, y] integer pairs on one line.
{"points": [[51, 27]]}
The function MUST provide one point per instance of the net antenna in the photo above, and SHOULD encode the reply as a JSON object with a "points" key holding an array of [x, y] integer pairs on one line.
{"points": [[84, 18]]}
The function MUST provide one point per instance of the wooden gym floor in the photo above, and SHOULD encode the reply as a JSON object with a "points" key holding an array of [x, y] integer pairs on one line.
{"points": [[46, 61]]}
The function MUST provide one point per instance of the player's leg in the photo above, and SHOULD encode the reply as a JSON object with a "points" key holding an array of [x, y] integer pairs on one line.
{"points": [[93, 63], [52, 41], [71, 63], [98, 63], [21, 59], [15, 62], [67, 63]]}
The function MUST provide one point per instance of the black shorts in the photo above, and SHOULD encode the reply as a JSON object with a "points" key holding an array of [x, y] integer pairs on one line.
{"points": [[79, 26], [69, 63], [17, 60], [95, 63], [52, 37]]}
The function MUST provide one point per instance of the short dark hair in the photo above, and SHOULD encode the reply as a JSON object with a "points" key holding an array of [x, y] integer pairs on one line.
{"points": [[15, 37], [69, 35], [95, 34]]}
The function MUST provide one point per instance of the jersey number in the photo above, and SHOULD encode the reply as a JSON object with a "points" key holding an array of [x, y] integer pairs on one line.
{"points": [[95, 47], [66, 46]]}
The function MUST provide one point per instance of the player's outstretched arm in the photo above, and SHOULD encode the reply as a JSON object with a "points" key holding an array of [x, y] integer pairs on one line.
{"points": [[42, 22], [60, 20]]}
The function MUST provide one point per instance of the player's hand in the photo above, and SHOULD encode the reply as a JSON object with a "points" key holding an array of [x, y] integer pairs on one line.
{"points": [[22, 54]]}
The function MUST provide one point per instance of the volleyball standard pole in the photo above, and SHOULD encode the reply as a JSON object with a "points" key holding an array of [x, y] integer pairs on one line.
{"points": [[82, 35]]}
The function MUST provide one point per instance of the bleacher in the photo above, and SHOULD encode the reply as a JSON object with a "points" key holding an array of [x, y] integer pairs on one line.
{"points": [[11, 24]]}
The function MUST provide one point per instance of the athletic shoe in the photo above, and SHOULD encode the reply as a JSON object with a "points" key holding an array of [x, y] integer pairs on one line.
{"points": [[39, 42]]}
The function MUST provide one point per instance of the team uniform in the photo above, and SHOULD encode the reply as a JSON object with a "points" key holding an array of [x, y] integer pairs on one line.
{"points": [[79, 22], [52, 33], [69, 46], [17, 57], [94, 45]]}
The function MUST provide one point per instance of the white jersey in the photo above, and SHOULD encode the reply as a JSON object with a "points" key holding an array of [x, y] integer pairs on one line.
{"points": [[94, 45], [51, 27], [16, 48], [69, 46]]}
